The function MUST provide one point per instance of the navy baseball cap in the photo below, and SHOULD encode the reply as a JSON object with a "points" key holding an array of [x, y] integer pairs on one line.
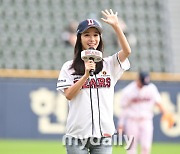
{"points": [[144, 78], [88, 23]]}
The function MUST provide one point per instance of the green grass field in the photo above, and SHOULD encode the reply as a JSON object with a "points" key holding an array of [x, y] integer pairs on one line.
{"points": [[55, 147]]}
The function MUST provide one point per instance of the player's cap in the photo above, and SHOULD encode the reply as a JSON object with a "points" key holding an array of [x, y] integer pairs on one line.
{"points": [[88, 23], [144, 78]]}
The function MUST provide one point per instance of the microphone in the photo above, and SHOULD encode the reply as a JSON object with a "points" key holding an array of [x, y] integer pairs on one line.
{"points": [[91, 54]]}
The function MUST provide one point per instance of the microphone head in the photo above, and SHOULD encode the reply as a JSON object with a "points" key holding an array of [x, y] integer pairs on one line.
{"points": [[91, 54]]}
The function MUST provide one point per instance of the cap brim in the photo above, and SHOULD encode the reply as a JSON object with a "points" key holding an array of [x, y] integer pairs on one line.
{"points": [[93, 26]]}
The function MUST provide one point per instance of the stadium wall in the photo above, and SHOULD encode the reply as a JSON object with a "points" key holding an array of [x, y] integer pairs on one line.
{"points": [[31, 108]]}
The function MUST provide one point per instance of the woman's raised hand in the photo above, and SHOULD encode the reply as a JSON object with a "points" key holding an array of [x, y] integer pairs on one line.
{"points": [[110, 17]]}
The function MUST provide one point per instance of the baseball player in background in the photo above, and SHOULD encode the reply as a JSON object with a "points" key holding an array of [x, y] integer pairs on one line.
{"points": [[137, 102], [90, 116]]}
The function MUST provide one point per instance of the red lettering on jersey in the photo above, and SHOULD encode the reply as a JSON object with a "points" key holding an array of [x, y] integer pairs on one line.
{"points": [[93, 83], [86, 84], [90, 21], [101, 82], [108, 82]]}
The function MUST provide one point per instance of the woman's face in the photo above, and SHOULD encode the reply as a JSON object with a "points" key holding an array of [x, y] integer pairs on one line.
{"points": [[90, 39]]}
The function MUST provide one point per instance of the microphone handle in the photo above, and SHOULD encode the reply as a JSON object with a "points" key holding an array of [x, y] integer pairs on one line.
{"points": [[91, 72]]}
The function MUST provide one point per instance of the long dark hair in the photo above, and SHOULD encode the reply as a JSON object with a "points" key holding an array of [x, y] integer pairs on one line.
{"points": [[78, 63]]}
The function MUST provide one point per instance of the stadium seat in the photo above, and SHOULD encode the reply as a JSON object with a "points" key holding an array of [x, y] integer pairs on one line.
{"points": [[31, 31]]}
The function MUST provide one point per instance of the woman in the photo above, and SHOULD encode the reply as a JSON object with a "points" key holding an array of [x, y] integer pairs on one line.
{"points": [[90, 117]]}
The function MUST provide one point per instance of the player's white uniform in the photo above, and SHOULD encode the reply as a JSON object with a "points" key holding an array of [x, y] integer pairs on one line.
{"points": [[91, 113], [137, 113]]}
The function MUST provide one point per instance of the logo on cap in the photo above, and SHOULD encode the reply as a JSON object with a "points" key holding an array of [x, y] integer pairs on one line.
{"points": [[90, 22]]}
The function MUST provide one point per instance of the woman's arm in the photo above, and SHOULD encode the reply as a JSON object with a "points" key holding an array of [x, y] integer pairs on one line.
{"points": [[112, 19], [73, 90]]}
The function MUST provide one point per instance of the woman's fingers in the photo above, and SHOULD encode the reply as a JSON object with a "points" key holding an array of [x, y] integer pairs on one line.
{"points": [[90, 64], [104, 13], [111, 11], [107, 12]]}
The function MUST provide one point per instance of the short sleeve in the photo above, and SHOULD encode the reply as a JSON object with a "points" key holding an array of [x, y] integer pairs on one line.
{"points": [[65, 78], [124, 65], [117, 67]]}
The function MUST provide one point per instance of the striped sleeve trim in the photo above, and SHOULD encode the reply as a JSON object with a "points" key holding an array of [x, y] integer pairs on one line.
{"points": [[124, 65], [118, 59], [63, 86], [61, 81]]}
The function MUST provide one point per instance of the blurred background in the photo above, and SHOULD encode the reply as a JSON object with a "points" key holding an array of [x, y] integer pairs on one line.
{"points": [[37, 37], [33, 32]]}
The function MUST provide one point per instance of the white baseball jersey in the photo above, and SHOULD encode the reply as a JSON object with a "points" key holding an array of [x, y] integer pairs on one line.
{"points": [[91, 111], [139, 102]]}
